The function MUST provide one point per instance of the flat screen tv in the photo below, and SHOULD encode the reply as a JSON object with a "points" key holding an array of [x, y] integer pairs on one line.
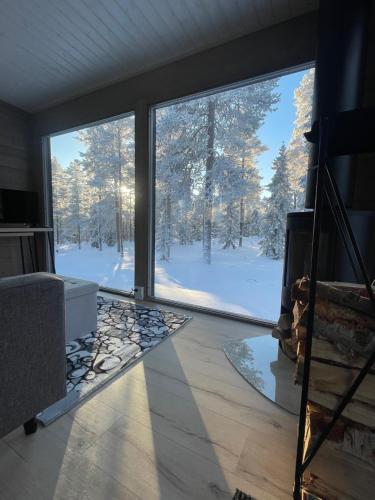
{"points": [[18, 207]]}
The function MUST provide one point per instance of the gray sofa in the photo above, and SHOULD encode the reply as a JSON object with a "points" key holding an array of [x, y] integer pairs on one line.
{"points": [[32, 348]]}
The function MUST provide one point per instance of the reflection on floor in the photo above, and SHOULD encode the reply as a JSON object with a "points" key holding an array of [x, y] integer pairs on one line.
{"points": [[263, 364]]}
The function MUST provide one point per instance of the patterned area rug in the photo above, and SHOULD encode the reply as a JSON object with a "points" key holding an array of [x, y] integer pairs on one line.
{"points": [[126, 331]]}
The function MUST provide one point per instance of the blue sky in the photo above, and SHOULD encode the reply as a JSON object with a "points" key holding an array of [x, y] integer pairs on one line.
{"points": [[66, 148], [278, 127]]}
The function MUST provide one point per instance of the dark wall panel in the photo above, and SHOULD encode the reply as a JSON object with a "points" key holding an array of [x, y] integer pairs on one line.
{"points": [[364, 197], [15, 148], [15, 173]]}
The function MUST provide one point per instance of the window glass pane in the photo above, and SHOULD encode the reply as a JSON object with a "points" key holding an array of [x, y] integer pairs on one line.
{"points": [[228, 168], [93, 203]]}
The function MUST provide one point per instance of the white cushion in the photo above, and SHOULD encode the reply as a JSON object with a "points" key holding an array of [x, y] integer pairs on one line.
{"points": [[75, 287]]}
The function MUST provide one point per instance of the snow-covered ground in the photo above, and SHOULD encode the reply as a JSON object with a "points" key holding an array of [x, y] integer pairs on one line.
{"points": [[240, 281], [106, 267]]}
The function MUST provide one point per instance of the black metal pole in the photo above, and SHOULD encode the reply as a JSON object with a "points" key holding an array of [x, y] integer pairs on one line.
{"points": [[319, 190], [342, 233]]}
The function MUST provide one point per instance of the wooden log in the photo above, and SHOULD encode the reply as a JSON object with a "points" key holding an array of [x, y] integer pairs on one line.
{"points": [[301, 350], [334, 474], [279, 333], [300, 333], [341, 316], [346, 436], [323, 350], [351, 295], [355, 410], [337, 380], [285, 321], [308, 494], [299, 314], [348, 295], [298, 372], [289, 349], [313, 489], [352, 333], [351, 339], [300, 290], [331, 311]]}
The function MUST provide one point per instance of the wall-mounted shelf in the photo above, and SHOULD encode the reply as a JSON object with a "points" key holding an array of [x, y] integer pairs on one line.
{"points": [[9, 231]]}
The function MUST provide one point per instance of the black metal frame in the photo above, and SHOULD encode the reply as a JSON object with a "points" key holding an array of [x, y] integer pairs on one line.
{"points": [[345, 133]]}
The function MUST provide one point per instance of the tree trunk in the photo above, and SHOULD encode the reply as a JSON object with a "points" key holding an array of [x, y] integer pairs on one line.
{"points": [[118, 187], [57, 231], [208, 194], [169, 223], [121, 234], [100, 224], [165, 227], [228, 243], [131, 232], [242, 208], [79, 235], [117, 216]]}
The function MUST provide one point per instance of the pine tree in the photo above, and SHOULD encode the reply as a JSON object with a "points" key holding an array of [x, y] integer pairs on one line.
{"points": [[278, 205], [298, 148], [255, 222], [250, 200], [108, 161], [241, 113], [208, 180], [163, 234], [59, 201], [77, 202], [206, 175]]}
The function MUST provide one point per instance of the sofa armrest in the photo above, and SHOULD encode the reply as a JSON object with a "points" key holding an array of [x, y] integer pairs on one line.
{"points": [[32, 346]]}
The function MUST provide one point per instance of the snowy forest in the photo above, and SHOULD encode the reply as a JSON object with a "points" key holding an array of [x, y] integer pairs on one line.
{"points": [[208, 185], [209, 191], [93, 198]]}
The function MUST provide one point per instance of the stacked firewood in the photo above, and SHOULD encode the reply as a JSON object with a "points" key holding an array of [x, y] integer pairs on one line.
{"points": [[343, 339], [283, 332]]}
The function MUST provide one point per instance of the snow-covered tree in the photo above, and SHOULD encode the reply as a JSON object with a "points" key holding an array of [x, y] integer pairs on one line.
{"points": [[255, 222], [206, 151], [59, 200], [173, 177], [108, 161], [250, 200], [78, 200], [238, 114], [298, 148], [278, 205]]}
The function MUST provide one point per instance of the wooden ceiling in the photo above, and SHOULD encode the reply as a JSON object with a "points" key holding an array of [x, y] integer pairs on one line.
{"points": [[54, 50]]}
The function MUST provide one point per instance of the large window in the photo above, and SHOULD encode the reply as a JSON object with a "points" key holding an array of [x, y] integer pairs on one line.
{"points": [[228, 168], [93, 203]]}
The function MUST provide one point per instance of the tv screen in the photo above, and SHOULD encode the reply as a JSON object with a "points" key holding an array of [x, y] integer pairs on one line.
{"points": [[18, 207]]}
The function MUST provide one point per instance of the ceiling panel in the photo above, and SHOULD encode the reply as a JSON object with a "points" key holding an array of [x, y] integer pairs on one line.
{"points": [[54, 50]]}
